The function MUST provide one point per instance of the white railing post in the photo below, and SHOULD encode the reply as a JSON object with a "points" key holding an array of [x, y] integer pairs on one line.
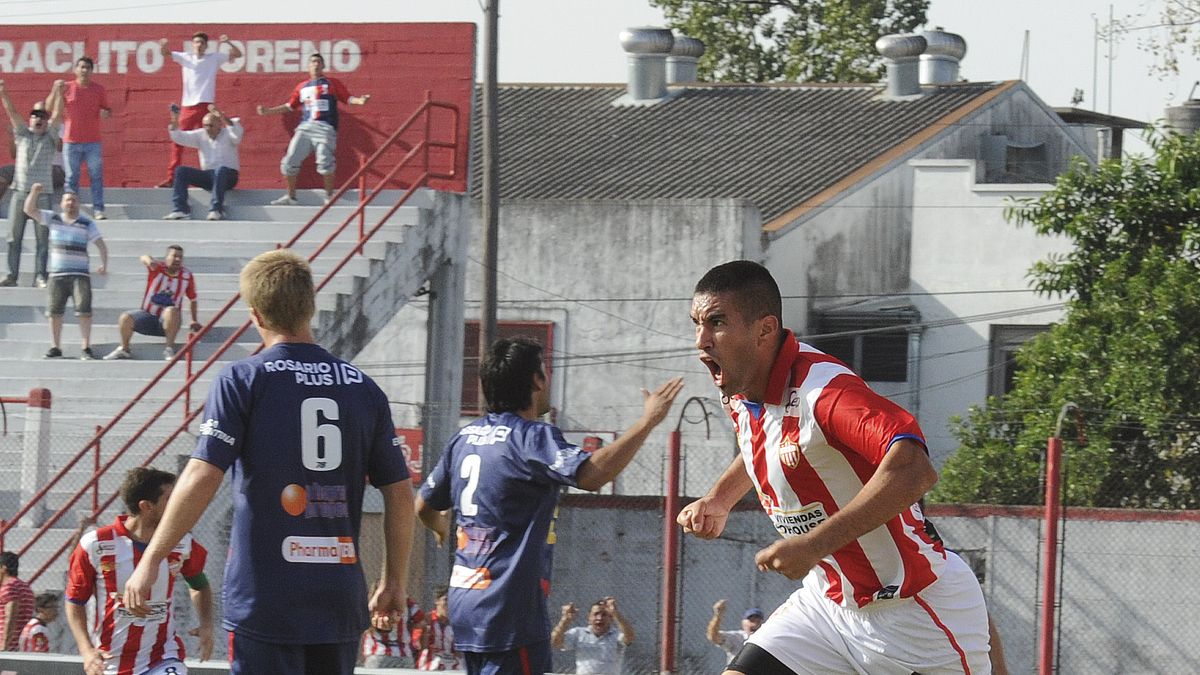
{"points": [[35, 458]]}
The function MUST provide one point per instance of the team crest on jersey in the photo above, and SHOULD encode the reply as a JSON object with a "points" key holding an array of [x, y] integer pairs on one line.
{"points": [[789, 454]]}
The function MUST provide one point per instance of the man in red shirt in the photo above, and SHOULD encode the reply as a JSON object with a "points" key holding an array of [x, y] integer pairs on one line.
{"points": [[167, 284], [16, 601], [86, 103]]}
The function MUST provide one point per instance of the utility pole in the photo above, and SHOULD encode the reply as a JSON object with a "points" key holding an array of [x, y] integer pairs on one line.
{"points": [[1111, 36], [491, 181]]}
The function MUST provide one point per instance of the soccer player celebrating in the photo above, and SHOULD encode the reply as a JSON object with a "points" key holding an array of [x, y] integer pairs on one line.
{"points": [[120, 643], [839, 470], [303, 431], [503, 473]]}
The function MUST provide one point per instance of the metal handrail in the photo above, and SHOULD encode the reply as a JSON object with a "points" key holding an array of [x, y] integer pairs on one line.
{"points": [[420, 151]]}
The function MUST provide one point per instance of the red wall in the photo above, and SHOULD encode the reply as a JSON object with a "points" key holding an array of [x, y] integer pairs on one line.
{"points": [[395, 63]]}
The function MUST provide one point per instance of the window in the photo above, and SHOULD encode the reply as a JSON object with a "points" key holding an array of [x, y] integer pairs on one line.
{"points": [[870, 336], [1002, 354], [542, 331]]}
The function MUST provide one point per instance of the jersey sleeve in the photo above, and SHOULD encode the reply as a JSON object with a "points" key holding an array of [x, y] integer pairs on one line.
{"points": [[854, 417], [386, 464], [571, 639], [93, 231], [103, 104], [293, 101], [194, 565], [181, 59], [550, 458], [190, 293], [339, 90], [222, 432], [81, 577], [435, 491]]}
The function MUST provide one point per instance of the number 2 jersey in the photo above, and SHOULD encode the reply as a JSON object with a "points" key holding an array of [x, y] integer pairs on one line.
{"points": [[303, 431], [502, 474]]}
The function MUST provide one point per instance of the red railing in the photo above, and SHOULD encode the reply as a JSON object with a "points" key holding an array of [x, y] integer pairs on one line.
{"points": [[418, 153]]}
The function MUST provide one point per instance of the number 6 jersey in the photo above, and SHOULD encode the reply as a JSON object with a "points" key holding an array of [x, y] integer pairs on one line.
{"points": [[301, 429], [503, 474]]}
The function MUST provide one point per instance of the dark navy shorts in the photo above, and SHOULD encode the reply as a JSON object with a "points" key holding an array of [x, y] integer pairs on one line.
{"points": [[146, 323], [248, 656], [531, 659]]}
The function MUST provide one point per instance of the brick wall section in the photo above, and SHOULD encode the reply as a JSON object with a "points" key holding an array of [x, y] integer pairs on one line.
{"points": [[395, 63]]}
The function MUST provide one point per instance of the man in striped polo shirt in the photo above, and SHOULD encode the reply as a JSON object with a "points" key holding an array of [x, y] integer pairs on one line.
{"points": [[119, 643], [168, 283], [839, 470], [70, 234]]}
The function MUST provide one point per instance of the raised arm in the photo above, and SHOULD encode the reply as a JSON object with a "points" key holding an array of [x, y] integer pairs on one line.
{"points": [[560, 628], [234, 52], [607, 462], [31, 202], [623, 626], [54, 103], [13, 118], [163, 48], [713, 632]]}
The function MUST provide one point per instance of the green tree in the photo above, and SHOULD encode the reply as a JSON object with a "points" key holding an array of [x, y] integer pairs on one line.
{"points": [[794, 40], [1127, 350]]}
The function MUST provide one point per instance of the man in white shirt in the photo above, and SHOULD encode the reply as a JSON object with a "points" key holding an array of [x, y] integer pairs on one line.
{"points": [[199, 68], [217, 143], [732, 640]]}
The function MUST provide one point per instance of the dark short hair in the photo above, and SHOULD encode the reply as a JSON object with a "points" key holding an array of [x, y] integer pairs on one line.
{"points": [[441, 591], [39, 113], [46, 600], [85, 59], [751, 284], [175, 247], [200, 34], [317, 56], [143, 483], [11, 562], [507, 374]]}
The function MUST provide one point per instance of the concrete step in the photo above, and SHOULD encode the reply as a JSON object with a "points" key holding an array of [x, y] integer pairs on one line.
{"points": [[105, 331], [228, 261], [18, 356]]}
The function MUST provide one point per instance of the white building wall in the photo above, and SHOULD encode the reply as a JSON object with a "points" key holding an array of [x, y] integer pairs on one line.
{"points": [[966, 258]]}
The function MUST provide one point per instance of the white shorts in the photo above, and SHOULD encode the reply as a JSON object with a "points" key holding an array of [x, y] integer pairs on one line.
{"points": [[943, 629], [171, 667]]}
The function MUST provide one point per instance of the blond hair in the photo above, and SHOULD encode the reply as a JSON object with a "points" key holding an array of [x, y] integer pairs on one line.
{"points": [[279, 286]]}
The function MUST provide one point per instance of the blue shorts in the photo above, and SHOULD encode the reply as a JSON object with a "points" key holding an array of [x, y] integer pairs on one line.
{"points": [[248, 656], [531, 659], [146, 323]]}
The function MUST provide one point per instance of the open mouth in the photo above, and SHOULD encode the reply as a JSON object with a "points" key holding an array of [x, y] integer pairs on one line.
{"points": [[714, 369]]}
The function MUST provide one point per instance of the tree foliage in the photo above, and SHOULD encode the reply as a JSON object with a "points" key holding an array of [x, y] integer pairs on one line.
{"points": [[1127, 350], [794, 40]]}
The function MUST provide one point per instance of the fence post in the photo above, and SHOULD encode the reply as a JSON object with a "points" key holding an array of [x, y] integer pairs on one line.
{"points": [[670, 584], [362, 200], [187, 374], [35, 458], [96, 472]]}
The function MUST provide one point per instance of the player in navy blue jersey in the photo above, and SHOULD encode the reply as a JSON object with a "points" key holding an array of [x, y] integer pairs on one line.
{"points": [[503, 474], [302, 431]]}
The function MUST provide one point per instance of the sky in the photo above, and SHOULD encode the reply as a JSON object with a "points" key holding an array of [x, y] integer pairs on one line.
{"points": [[576, 40]]}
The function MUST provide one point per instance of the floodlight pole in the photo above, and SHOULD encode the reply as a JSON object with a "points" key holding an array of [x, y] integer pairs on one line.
{"points": [[491, 181]]}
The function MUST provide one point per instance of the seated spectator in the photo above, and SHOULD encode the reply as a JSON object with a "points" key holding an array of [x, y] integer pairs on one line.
{"points": [[167, 284], [217, 143], [436, 637], [393, 647], [34, 636], [599, 648], [732, 640]]}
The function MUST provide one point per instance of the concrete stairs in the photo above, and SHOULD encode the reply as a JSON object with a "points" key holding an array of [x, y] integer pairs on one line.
{"points": [[86, 394]]}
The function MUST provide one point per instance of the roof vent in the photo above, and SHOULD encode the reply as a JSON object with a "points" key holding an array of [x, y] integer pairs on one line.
{"points": [[681, 64], [647, 48], [900, 54], [943, 52]]}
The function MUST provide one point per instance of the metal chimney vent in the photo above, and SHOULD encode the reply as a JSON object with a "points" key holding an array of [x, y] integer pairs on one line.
{"points": [[647, 48], [681, 64], [900, 53], [1184, 119], [943, 53]]}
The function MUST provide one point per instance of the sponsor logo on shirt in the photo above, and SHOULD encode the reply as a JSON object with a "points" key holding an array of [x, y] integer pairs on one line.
{"points": [[315, 501], [792, 409], [800, 520], [471, 578], [485, 434], [317, 374], [210, 427], [320, 550]]}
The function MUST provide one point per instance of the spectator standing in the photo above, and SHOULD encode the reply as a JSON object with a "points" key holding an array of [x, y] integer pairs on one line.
{"points": [[199, 68], [504, 473], [16, 601], [732, 640], [303, 432], [436, 637], [168, 284], [317, 98], [120, 644], [34, 148], [34, 636], [600, 646], [218, 144], [70, 234], [86, 103]]}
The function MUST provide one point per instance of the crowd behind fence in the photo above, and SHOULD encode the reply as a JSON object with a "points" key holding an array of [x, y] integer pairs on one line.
{"points": [[1127, 597]]}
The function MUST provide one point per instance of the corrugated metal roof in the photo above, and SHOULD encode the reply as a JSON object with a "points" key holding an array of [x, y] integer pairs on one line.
{"points": [[774, 145]]}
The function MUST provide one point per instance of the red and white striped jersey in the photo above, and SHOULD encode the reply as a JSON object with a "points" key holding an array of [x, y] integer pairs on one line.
{"points": [[100, 565], [810, 448], [164, 290], [440, 654], [35, 637], [399, 640]]}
